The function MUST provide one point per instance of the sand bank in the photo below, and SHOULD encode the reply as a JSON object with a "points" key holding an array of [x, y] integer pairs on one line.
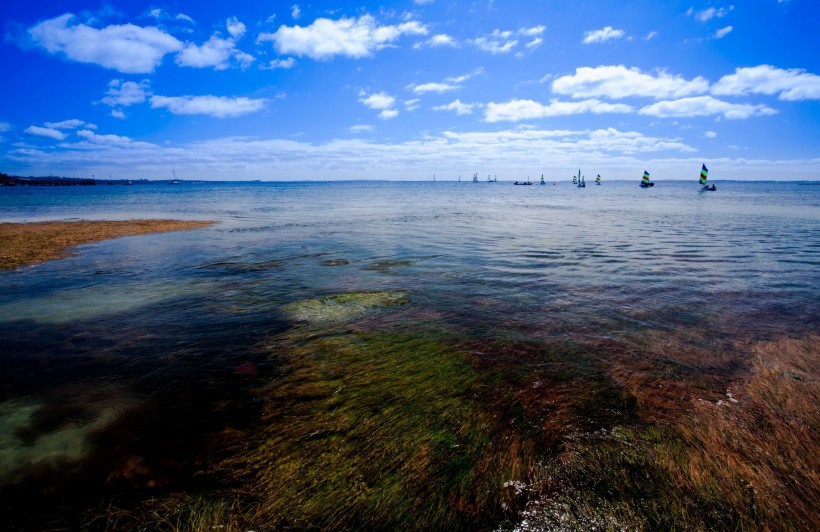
{"points": [[23, 244]]}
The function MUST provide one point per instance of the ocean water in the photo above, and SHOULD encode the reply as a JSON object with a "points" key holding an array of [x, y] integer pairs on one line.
{"points": [[139, 346]]}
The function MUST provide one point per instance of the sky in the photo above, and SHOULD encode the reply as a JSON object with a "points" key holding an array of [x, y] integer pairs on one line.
{"points": [[408, 90]]}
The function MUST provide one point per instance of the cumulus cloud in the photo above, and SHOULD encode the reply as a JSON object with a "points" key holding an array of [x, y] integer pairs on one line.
{"points": [[440, 39], [127, 48], [705, 106], [279, 63], [502, 42], [361, 128], [295, 11], [449, 84], [216, 106], [349, 37], [4, 126], [516, 110], [789, 84], [74, 123], [433, 87], [458, 106], [607, 33], [708, 14], [104, 139], [723, 32], [618, 81], [124, 93], [217, 52], [45, 132], [116, 113], [235, 28], [380, 101], [710, 134]]}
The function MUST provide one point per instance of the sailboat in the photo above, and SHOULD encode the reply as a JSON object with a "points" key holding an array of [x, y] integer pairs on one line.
{"points": [[475, 177], [542, 180], [645, 182], [527, 182], [575, 179], [174, 181], [598, 180], [704, 172], [581, 182]]}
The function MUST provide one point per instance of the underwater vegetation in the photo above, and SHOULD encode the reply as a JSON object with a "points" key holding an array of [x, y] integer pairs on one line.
{"points": [[380, 416]]}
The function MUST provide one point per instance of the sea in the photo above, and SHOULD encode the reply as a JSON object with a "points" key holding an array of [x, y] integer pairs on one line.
{"points": [[141, 346]]}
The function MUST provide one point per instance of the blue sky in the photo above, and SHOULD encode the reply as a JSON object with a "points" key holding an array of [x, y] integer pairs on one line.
{"points": [[405, 90]]}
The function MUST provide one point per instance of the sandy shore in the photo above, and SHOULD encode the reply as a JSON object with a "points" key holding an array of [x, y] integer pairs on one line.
{"points": [[23, 244]]}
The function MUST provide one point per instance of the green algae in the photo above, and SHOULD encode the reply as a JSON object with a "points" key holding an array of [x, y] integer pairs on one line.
{"points": [[345, 307], [381, 430]]}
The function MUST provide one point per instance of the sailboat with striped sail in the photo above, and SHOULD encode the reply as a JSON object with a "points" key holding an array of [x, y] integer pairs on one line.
{"points": [[598, 180], [704, 173], [645, 182]]}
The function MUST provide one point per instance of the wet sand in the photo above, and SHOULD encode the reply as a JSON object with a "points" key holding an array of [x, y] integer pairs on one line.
{"points": [[24, 244]]}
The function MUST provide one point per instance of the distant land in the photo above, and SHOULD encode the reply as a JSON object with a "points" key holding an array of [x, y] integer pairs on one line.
{"points": [[50, 181]]}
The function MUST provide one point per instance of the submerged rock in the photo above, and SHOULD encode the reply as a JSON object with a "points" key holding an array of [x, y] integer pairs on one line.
{"points": [[345, 307]]}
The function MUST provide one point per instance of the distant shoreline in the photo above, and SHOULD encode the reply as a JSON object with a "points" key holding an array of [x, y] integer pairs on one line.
{"points": [[26, 244]]}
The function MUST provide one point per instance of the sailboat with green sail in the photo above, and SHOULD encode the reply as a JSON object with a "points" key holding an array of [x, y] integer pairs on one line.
{"points": [[598, 180], [704, 173], [645, 182]]}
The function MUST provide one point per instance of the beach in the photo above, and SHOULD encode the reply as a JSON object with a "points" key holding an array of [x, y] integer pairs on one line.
{"points": [[32, 243]]}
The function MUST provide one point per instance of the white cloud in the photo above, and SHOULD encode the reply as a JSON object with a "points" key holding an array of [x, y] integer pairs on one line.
{"points": [[183, 16], [235, 28], [516, 110], [441, 39], [607, 33], [449, 84], [127, 48], [710, 134], [705, 106], [45, 132], [412, 104], [433, 87], [723, 32], [65, 124], [279, 63], [295, 11], [651, 35], [378, 100], [116, 113], [534, 43], [532, 32], [423, 2], [114, 140], [457, 106], [361, 128], [217, 52], [388, 114], [348, 37], [618, 81], [125, 93], [498, 42], [4, 126], [216, 106], [790, 84], [708, 14]]}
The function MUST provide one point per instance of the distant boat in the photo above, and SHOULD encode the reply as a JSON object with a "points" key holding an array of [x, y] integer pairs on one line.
{"points": [[581, 183], [598, 180], [645, 182], [174, 181], [527, 182], [575, 179], [475, 177], [704, 172], [542, 180]]}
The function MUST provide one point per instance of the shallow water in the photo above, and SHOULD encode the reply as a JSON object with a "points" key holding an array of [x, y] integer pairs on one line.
{"points": [[165, 331]]}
